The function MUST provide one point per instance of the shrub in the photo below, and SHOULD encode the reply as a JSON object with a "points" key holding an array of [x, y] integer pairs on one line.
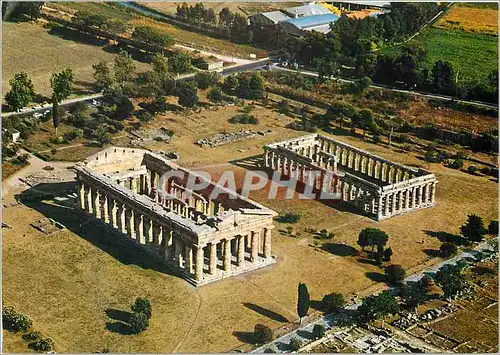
{"points": [[72, 135], [447, 249], [284, 106], [44, 344], [493, 227], [244, 118], [262, 334], [394, 273], [431, 156], [332, 302], [318, 331], [376, 139], [472, 169], [57, 140], [138, 322], [246, 109], [289, 230], [206, 79], [295, 344], [215, 94], [288, 217], [486, 170], [456, 164], [14, 321], [142, 305], [32, 336], [144, 116]]}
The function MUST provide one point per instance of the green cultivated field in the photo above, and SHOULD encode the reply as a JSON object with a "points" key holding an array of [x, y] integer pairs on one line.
{"points": [[474, 55]]}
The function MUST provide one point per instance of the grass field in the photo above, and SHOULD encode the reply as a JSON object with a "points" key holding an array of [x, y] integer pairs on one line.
{"points": [[50, 52], [470, 19], [185, 37], [474, 55], [77, 274], [245, 8]]}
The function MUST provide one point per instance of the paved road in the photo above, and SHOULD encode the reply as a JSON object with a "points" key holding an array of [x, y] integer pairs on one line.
{"points": [[385, 87], [328, 321]]}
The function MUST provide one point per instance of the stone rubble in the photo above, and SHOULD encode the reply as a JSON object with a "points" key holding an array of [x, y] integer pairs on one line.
{"points": [[225, 138]]}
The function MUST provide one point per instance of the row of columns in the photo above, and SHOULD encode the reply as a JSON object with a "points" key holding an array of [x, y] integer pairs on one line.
{"points": [[407, 199], [197, 261]]}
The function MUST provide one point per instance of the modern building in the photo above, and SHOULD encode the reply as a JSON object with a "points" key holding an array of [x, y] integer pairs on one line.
{"points": [[319, 23], [268, 18], [306, 10]]}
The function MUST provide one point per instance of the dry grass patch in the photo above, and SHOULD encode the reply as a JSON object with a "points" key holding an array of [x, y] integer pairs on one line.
{"points": [[470, 19]]}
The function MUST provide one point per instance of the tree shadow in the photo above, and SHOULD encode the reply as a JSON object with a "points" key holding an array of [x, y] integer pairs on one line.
{"points": [[433, 253], [119, 327], [367, 261], [282, 347], [376, 276], [447, 237], [305, 334], [245, 337], [118, 315], [266, 312], [45, 198], [315, 304], [340, 249]]}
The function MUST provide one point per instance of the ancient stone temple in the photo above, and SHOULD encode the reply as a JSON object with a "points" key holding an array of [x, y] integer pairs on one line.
{"points": [[378, 187], [143, 196]]}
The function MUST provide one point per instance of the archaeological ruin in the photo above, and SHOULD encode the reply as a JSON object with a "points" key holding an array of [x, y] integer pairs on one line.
{"points": [[144, 197], [379, 188]]}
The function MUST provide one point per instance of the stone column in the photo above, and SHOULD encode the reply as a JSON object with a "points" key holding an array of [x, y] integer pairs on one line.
{"points": [[199, 262], [407, 199], [178, 251], [426, 193], [414, 197], [148, 230], [241, 250], [133, 184], [112, 211], [267, 243], [168, 243], [129, 220], [81, 195], [227, 255], [120, 217], [421, 194], [394, 202], [88, 201], [96, 203], [400, 201], [433, 192], [139, 228], [255, 246], [188, 252], [386, 206], [104, 208], [212, 266]]}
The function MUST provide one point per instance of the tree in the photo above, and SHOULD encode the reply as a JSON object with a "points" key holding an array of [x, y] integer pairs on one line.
{"points": [[101, 135], [179, 63], [332, 302], [142, 305], [206, 79], [102, 75], [62, 84], [447, 249], [303, 301], [493, 227], [318, 331], [14, 321], [284, 106], [124, 108], [372, 237], [43, 344], [138, 322], [443, 77], [124, 67], [295, 344], [262, 334], [231, 83], [226, 18], [31, 9], [378, 306], [160, 64], [451, 279], [55, 114], [114, 26], [21, 93], [340, 111], [413, 293], [387, 254], [256, 86], [473, 230], [153, 37], [215, 94], [187, 94], [89, 19], [394, 273]]}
